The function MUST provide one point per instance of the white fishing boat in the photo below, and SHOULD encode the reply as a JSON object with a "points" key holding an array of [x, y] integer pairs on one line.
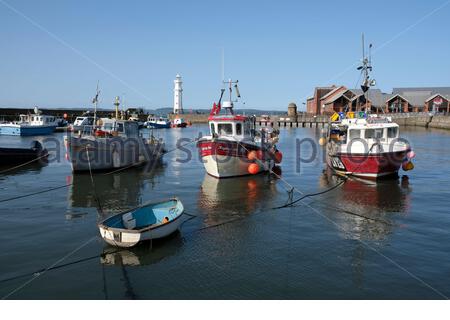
{"points": [[235, 147], [30, 125], [152, 220]]}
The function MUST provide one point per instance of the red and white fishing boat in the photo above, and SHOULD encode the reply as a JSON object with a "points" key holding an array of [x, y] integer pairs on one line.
{"points": [[235, 147], [366, 145]]}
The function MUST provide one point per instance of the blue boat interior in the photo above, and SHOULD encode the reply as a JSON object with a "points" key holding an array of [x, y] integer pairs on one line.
{"points": [[152, 214]]}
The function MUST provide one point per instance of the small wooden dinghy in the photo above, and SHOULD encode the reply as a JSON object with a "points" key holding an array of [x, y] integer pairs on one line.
{"points": [[152, 220]]}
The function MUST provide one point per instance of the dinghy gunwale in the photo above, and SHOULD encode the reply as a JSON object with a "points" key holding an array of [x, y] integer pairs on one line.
{"points": [[179, 205]]}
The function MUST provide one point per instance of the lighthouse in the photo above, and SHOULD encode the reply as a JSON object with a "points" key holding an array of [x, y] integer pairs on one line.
{"points": [[177, 95]]}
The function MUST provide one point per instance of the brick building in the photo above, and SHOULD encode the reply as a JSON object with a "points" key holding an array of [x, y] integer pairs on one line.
{"points": [[327, 100]]}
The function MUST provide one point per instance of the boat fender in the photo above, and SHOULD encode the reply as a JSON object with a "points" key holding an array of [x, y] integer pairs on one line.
{"points": [[278, 156], [252, 155], [322, 141], [260, 155], [407, 166], [411, 155]]}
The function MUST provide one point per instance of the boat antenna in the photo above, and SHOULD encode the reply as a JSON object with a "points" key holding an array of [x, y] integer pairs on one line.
{"points": [[223, 64], [95, 102], [222, 91], [365, 68]]}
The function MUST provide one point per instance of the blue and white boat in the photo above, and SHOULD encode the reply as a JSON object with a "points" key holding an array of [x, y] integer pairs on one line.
{"points": [[157, 122], [152, 220], [36, 124]]}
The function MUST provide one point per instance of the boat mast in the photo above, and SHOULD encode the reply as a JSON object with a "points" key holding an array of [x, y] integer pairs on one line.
{"points": [[95, 102], [365, 68], [230, 89]]}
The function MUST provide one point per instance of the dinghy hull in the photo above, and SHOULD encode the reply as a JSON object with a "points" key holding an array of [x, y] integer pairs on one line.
{"points": [[153, 220]]}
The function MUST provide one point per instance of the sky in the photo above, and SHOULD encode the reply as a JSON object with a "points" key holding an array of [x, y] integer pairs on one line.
{"points": [[54, 52]]}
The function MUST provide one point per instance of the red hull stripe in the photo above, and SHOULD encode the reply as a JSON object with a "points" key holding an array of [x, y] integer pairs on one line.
{"points": [[225, 148]]}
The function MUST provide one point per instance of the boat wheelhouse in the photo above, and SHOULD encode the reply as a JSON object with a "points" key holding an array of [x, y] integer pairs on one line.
{"points": [[83, 123]]}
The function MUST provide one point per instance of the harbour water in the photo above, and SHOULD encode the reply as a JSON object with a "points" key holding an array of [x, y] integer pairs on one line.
{"points": [[237, 247]]}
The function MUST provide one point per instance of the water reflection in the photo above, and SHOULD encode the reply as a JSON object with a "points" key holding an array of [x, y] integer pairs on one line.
{"points": [[222, 199], [32, 168], [379, 201], [147, 253], [116, 191]]}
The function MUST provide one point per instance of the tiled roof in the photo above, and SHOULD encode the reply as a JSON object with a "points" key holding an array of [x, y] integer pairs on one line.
{"points": [[375, 96], [418, 96], [332, 92]]}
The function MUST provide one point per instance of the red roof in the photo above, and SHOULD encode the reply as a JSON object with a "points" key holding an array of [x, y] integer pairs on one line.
{"points": [[229, 117]]}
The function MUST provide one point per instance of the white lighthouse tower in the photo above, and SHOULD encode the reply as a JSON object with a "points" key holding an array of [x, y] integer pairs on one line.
{"points": [[177, 95]]}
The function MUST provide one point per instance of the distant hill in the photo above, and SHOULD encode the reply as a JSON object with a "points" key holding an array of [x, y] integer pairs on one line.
{"points": [[163, 111]]}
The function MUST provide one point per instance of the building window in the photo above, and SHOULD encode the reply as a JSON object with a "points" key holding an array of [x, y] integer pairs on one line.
{"points": [[225, 129]]}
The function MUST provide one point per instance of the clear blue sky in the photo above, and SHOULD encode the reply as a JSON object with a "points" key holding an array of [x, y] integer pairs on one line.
{"points": [[279, 50]]}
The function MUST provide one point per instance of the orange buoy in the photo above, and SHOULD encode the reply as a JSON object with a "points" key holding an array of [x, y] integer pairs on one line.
{"points": [[278, 157], [253, 168], [252, 155]]}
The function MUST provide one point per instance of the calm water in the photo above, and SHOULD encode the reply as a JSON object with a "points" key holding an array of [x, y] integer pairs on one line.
{"points": [[317, 250]]}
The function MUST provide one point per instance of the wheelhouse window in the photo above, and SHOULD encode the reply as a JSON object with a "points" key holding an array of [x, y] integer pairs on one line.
{"points": [[373, 134], [354, 134], [392, 132], [239, 129], [225, 129], [107, 126], [213, 129], [247, 128], [120, 127]]}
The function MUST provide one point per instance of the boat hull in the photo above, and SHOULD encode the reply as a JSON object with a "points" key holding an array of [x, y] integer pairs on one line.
{"points": [[14, 156], [152, 125], [372, 166], [126, 238], [20, 130], [226, 159], [103, 154]]}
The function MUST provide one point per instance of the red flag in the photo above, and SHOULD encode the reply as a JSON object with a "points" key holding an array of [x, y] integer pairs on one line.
{"points": [[215, 109]]}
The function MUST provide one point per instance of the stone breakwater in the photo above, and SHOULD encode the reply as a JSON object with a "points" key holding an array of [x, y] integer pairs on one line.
{"points": [[437, 121], [191, 117]]}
